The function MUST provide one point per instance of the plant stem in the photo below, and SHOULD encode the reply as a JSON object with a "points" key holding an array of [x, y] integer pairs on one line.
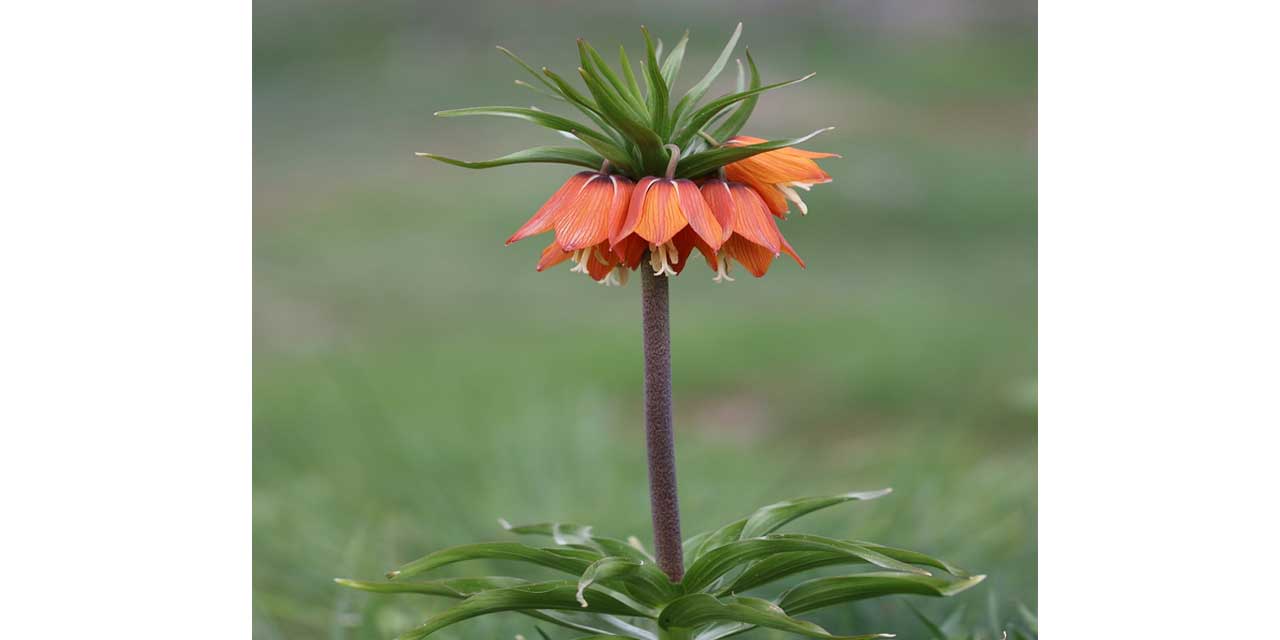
{"points": [[663, 501]]}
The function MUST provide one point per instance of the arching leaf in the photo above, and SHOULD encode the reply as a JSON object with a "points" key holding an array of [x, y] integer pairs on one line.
{"points": [[557, 155], [824, 592], [698, 609], [555, 595], [573, 561]]}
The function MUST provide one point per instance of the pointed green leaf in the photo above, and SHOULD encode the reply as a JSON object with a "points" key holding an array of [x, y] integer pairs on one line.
{"points": [[698, 609], [712, 159], [449, 587], [627, 72], [702, 116], [642, 579], [575, 534], [584, 104], [542, 118], [734, 124], [540, 91], [561, 155], [593, 61], [555, 595], [573, 561], [659, 94], [671, 66], [722, 536], [606, 625], [772, 517], [914, 557], [698, 90], [824, 592], [652, 155], [769, 518], [715, 563], [783, 565], [526, 67]]}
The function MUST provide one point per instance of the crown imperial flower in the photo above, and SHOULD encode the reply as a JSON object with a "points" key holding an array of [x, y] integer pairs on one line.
{"points": [[659, 183]]}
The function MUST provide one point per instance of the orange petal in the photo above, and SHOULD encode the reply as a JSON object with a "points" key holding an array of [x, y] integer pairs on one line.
{"points": [[584, 220], [660, 217], [630, 250], [600, 262], [770, 194], [781, 166], [699, 215], [720, 200], [786, 248], [627, 225], [751, 218], [546, 216], [552, 256], [688, 240], [752, 256]]}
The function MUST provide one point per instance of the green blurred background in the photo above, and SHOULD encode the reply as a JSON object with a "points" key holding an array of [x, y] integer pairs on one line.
{"points": [[414, 380]]}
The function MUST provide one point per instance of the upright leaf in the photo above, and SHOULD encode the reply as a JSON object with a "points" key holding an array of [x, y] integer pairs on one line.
{"points": [[735, 122], [627, 72], [593, 61], [671, 66], [704, 115], [698, 90], [658, 90]]}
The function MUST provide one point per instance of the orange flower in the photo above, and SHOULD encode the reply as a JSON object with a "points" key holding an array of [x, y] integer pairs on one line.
{"points": [[751, 234], [777, 174], [669, 218], [582, 212]]}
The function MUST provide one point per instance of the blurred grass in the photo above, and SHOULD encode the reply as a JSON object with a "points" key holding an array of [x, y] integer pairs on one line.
{"points": [[414, 380]]}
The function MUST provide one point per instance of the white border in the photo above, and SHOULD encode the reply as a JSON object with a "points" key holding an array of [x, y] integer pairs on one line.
{"points": [[125, 335], [1158, 347]]}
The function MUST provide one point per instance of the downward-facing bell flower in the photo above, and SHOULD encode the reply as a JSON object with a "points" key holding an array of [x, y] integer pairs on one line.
{"points": [[582, 212], [650, 157], [670, 218], [751, 235], [777, 174]]}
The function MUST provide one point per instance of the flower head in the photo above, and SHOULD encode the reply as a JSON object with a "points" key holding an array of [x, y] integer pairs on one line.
{"points": [[657, 186]]}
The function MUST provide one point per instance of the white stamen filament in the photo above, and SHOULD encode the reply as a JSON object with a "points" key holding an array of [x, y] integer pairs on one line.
{"points": [[791, 195], [580, 256], [722, 269], [658, 259]]}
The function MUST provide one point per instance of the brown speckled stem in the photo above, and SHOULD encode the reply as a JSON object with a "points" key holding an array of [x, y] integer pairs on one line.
{"points": [[663, 501]]}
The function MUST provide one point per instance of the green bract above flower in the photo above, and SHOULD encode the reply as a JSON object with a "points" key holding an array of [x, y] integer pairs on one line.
{"points": [[654, 157]]}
